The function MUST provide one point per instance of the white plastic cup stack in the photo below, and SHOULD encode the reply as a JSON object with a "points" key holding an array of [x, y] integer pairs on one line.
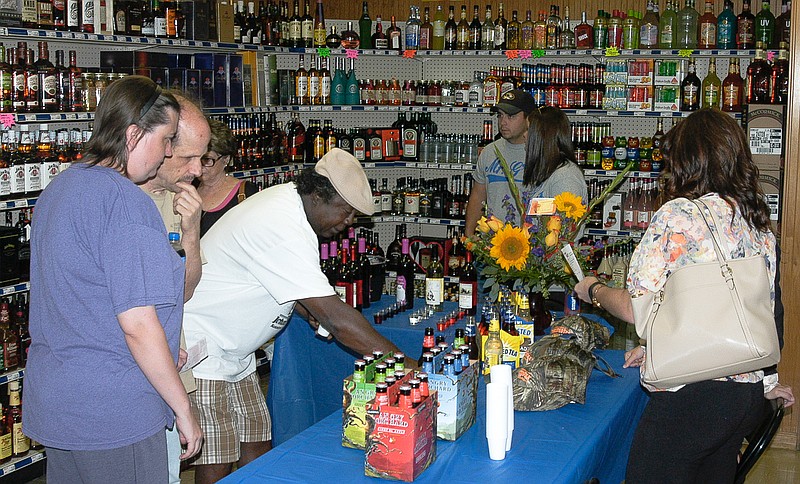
{"points": [[502, 374], [496, 419]]}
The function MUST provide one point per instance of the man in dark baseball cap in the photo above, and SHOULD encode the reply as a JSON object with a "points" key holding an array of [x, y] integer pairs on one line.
{"points": [[490, 186], [515, 101]]}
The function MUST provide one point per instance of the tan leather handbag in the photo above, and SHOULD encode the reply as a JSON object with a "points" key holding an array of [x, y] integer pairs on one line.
{"points": [[710, 320]]}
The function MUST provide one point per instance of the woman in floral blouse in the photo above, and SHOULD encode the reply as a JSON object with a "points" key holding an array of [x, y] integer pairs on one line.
{"points": [[693, 433]]}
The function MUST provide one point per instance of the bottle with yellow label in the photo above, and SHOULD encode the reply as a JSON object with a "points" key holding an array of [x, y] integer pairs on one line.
{"points": [[492, 347], [5, 439], [21, 444]]}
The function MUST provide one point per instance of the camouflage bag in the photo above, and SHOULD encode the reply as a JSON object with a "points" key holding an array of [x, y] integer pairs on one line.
{"points": [[554, 371]]}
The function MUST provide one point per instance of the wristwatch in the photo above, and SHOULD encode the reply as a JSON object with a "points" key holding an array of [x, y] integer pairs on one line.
{"points": [[592, 294]]}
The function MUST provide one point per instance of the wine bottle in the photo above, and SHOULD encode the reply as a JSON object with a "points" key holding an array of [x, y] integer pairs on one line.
{"points": [[434, 283], [404, 285]]}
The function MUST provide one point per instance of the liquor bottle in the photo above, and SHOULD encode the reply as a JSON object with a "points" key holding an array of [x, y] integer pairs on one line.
{"points": [[526, 32], [451, 31], [88, 15], [491, 88], [667, 27], [295, 27], [726, 27], [73, 13], [745, 27], [500, 26], [648, 29], [487, 30], [296, 139], [6, 82], [540, 31], [344, 279], [783, 25], [412, 30], [20, 442], [365, 28], [462, 31], [711, 86], [159, 20], [6, 437], [765, 26], [9, 338], [583, 34], [757, 84], [379, 39], [350, 39], [44, 13], [324, 83], [707, 27], [513, 32], [434, 283], [779, 84], [313, 81], [732, 88], [254, 25], [410, 141], [47, 79], [686, 35], [468, 287], [394, 34], [475, 31], [32, 81], [404, 285], [301, 83], [553, 28], [439, 20], [351, 93], [690, 90], [148, 20], [19, 86], [76, 86], [134, 18], [357, 279], [59, 22], [333, 40], [426, 31], [307, 26], [284, 25], [567, 36], [493, 347], [364, 273]]}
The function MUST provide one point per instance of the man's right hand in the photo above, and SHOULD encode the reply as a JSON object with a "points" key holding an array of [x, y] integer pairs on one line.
{"points": [[190, 435], [189, 206]]}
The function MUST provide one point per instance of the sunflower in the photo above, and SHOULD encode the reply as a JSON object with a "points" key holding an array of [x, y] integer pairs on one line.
{"points": [[510, 247], [571, 205]]}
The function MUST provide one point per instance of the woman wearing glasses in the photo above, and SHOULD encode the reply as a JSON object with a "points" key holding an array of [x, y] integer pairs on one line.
{"points": [[107, 302], [219, 191]]}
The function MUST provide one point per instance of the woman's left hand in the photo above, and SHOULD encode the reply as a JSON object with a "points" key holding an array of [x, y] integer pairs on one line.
{"points": [[781, 391], [634, 358]]}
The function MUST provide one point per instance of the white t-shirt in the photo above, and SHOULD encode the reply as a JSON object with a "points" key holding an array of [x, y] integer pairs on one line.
{"points": [[262, 256]]}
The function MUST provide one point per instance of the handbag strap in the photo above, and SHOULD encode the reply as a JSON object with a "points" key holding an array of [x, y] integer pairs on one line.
{"points": [[723, 261]]}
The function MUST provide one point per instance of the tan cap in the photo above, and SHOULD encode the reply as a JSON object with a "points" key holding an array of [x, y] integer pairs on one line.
{"points": [[348, 178]]}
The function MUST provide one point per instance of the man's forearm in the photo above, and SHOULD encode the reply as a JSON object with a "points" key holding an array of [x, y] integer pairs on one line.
{"points": [[194, 268]]}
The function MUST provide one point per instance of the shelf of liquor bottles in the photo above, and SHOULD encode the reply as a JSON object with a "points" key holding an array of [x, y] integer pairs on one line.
{"points": [[14, 289], [411, 219], [18, 463]]}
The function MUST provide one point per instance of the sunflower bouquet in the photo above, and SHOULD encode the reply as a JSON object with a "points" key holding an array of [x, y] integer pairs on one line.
{"points": [[529, 258]]}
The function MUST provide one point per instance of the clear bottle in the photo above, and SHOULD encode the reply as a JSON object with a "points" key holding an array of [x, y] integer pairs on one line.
{"points": [[567, 36], [707, 27], [540, 32], [439, 20], [726, 27], [487, 30], [553, 28], [301, 83], [412, 30], [493, 347], [648, 28], [462, 31], [500, 27], [687, 27], [711, 86]]}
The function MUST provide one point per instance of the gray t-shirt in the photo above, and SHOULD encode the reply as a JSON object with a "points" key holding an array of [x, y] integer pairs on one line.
{"points": [[489, 172], [567, 178]]}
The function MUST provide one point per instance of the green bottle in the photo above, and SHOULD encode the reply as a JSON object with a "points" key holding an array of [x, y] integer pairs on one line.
{"points": [[365, 28], [765, 26], [666, 27]]}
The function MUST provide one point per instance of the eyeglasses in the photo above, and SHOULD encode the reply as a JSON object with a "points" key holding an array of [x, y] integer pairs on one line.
{"points": [[209, 161]]}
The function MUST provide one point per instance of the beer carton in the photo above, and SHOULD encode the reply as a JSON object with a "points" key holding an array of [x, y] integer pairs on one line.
{"points": [[458, 401], [356, 396], [402, 441]]}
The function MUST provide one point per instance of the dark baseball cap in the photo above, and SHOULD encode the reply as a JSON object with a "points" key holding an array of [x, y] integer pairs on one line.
{"points": [[515, 101]]}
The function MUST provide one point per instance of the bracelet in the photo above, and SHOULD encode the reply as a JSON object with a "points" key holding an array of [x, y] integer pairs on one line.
{"points": [[592, 290]]}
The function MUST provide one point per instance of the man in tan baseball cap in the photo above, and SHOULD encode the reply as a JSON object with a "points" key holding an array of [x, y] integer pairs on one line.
{"points": [[263, 264]]}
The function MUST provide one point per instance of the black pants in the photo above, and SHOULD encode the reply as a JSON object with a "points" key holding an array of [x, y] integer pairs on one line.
{"points": [[694, 434]]}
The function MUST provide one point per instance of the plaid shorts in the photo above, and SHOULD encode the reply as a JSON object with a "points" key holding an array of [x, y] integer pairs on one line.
{"points": [[229, 413]]}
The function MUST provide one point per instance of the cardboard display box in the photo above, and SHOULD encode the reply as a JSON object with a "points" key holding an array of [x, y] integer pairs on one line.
{"points": [[764, 126], [402, 441], [356, 396], [458, 401]]}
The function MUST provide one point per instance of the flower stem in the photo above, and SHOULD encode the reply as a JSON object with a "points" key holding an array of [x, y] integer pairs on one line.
{"points": [[512, 184]]}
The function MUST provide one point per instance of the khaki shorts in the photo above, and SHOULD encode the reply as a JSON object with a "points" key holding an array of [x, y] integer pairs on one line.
{"points": [[229, 413]]}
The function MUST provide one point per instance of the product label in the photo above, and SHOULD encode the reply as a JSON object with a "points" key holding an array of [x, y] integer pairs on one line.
{"points": [[5, 446], [307, 29], [434, 291], [467, 295], [21, 442], [410, 143], [18, 179], [160, 27], [88, 12], [401, 288], [412, 204]]}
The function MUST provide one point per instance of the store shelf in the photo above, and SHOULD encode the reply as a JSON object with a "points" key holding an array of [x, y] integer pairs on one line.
{"points": [[613, 173], [11, 376], [412, 219], [20, 462], [613, 233], [13, 289], [17, 203], [268, 171], [52, 117]]}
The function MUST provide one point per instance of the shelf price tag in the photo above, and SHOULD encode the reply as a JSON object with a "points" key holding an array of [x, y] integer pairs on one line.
{"points": [[409, 53], [611, 52], [7, 120], [524, 54], [351, 53], [687, 53], [770, 55], [9, 469], [512, 54], [323, 52], [538, 53]]}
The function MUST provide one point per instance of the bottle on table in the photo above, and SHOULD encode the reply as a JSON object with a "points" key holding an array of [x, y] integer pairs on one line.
{"points": [[434, 283], [493, 347]]}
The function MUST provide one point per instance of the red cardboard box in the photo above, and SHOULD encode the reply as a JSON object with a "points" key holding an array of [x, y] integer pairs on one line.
{"points": [[401, 442]]}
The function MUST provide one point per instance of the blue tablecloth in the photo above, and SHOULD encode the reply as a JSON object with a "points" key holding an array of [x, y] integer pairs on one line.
{"points": [[569, 445]]}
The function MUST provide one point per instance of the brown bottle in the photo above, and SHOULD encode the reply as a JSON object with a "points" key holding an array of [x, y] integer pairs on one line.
{"points": [[48, 80], [21, 444], [10, 341], [6, 445], [19, 86], [32, 80], [75, 85], [6, 83]]}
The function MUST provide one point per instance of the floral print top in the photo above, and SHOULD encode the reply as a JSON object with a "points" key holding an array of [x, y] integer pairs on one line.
{"points": [[677, 236]]}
